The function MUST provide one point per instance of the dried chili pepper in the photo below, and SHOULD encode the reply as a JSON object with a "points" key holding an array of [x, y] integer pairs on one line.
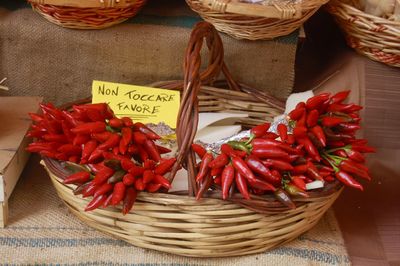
{"points": [[296, 113], [164, 166], [238, 145], [139, 184], [219, 161], [241, 167], [331, 121], [101, 136], [145, 130], [103, 189], [116, 122], [148, 176], [128, 179], [102, 176], [153, 187], [299, 181], [312, 118], [260, 130], [199, 150], [295, 191], [139, 137], [272, 152], [162, 180], [319, 134], [116, 177], [151, 150], [310, 148], [282, 131], [278, 164], [316, 101], [257, 166], [340, 96], [126, 133], [261, 184], [283, 197], [204, 185], [110, 143]]}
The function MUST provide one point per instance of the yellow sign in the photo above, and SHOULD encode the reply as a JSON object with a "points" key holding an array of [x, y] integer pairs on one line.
{"points": [[142, 104]]}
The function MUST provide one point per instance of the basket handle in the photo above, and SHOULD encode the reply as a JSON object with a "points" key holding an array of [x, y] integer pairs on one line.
{"points": [[279, 11], [188, 115]]}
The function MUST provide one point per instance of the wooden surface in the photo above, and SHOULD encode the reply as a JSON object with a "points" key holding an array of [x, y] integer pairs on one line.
{"points": [[369, 220]]}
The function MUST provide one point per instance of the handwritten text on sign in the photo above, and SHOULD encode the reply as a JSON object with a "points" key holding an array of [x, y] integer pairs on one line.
{"points": [[142, 104]]}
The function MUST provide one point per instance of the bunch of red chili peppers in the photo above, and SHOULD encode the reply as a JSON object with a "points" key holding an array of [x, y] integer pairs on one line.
{"points": [[321, 146], [98, 147]]}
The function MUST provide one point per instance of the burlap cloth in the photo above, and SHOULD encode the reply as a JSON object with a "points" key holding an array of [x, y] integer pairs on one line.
{"points": [[43, 59], [41, 230]]}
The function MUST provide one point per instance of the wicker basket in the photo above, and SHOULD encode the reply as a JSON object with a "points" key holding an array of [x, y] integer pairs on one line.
{"points": [[255, 22], [177, 223], [88, 14], [375, 37]]}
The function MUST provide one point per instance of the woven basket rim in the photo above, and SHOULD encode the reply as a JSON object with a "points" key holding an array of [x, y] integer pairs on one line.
{"points": [[87, 3]]}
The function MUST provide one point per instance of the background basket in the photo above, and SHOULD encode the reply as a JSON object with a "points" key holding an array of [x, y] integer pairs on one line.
{"points": [[88, 14], [377, 38], [177, 223], [276, 21]]}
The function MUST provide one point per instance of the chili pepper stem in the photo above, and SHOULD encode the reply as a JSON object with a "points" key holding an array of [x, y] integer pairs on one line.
{"points": [[328, 159], [348, 147]]}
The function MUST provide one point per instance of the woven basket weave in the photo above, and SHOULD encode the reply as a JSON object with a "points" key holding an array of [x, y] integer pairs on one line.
{"points": [[88, 14], [255, 22], [375, 37], [175, 222]]}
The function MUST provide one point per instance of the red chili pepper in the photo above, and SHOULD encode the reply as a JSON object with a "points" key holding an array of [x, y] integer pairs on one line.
{"points": [[331, 121], [278, 164], [348, 180], [102, 176], [353, 168], [199, 150], [69, 119], [241, 184], [145, 130], [290, 139], [115, 150], [228, 150], [319, 134], [152, 188], [61, 138], [355, 155], [126, 133], [96, 155], [218, 179], [295, 191], [101, 136], [96, 202], [238, 145], [227, 177], [164, 166], [260, 130], [312, 118], [299, 181], [110, 143], [80, 139], [272, 152], [270, 135], [136, 171], [329, 178], [77, 178], [260, 184], [95, 115], [241, 167], [312, 171], [362, 148], [283, 197], [219, 161], [151, 150], [297, 113], [59, 156], [282, 131], [310, 148], [129, 199], [69, 149], [107, 202], [116, 177], [204, 185], [127, 121], [240, 154], [162, 150], [354, 108], [348, 127], [340, 96], [35, 117], [148, 176], [116, 122], [300, 132], [149, 165], [316, 101], [139, 137], [90, 127], [89, 190], [204, 166], [163, 181], [216, 171], [103, 189], [139, 184], [128, 179], [258, 167]]}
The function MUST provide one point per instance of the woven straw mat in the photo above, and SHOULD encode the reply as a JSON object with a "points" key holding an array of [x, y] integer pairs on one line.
{"points": [[41, 230]]}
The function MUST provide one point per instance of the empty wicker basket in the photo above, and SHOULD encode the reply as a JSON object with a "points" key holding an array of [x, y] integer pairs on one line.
{"points": [[88, 14], [375, 37], [177, 223], [253, 21]]}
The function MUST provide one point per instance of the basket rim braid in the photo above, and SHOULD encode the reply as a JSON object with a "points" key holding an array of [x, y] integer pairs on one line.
{"points": [[252, 21], [176, 222], [375, 37], [90, 14]]}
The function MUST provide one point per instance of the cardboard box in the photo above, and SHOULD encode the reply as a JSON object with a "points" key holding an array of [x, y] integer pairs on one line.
{"points": [[14, 123]]}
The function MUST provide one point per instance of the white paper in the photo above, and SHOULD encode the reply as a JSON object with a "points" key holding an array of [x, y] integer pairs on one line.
{"points": [[206, 119], [212, 134]]}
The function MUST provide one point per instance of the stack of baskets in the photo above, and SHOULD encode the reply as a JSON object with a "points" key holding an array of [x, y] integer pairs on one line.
{"points": [[88, 14], [375, 37], [255, 21], [177, 223]]}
